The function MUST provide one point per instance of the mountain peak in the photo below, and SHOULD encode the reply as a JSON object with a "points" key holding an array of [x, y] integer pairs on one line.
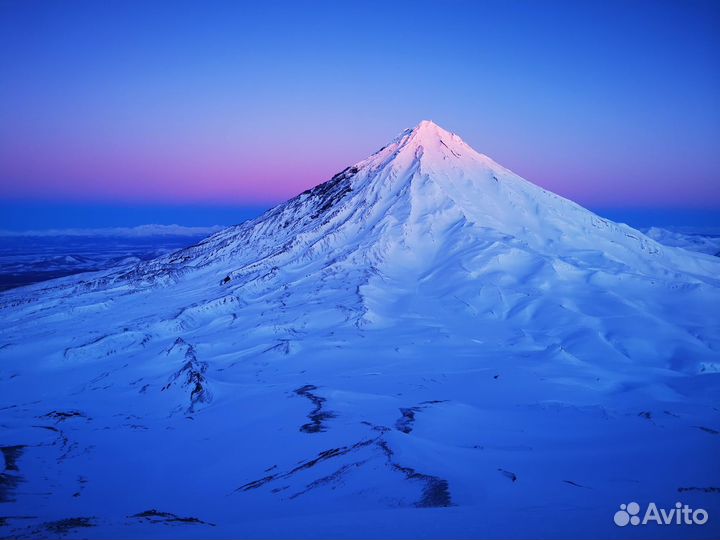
{"points": [[427, 140], [428, 131], [425, 125], [425, 194]]}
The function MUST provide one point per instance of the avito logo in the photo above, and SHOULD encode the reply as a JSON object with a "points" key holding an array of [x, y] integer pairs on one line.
{"points": [[682, 514]]}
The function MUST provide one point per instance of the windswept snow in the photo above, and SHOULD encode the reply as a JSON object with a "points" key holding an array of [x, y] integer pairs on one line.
{"points": [[701, 241], [426, 345]]}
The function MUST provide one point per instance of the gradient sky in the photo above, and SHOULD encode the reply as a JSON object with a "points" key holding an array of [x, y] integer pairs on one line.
{"points": [[612, 104]]}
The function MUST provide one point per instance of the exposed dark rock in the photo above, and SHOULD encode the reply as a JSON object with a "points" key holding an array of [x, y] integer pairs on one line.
{"points": [[257, 483], [191, 375], [8, 485], [156, 516], [64, 526], [317, 416], [511, 475], [381, 429], [699, 489], [62, 440], [11, 454], [406, 421], [331, 478], [436, 492], [10, 482], [575, 484], [304, 465], [329, 193], [62, 416]]}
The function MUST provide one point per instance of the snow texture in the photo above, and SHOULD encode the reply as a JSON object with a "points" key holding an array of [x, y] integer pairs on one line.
{"points": [[702, 241], [426, 345]]}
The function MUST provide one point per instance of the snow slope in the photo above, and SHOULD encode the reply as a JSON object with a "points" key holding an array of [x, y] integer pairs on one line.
{"points": [[701, 241], [426, 345]]}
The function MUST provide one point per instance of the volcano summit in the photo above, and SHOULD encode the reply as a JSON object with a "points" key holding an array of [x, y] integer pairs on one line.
{"points": [[426, 345]]}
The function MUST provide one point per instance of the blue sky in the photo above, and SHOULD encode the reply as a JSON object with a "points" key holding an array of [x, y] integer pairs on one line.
{"points": [[181, 105]]}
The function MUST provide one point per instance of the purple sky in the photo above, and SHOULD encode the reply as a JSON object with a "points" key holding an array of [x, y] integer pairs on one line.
{"points": [[609, 104]]}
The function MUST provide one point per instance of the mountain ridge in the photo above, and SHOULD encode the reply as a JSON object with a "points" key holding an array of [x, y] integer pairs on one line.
{"points": [[424, 343], [414, 166], [404, 198]]}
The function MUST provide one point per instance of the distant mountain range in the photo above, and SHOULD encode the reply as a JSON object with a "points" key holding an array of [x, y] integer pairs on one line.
{"points": [[123, 232]]}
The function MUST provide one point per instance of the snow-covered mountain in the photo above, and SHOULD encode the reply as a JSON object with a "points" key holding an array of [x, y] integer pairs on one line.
{"points": [[425, 345]]}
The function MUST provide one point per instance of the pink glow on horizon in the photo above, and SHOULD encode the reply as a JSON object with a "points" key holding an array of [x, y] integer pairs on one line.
{"points": [[115, 102], [149, 175], [268, 167]]}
